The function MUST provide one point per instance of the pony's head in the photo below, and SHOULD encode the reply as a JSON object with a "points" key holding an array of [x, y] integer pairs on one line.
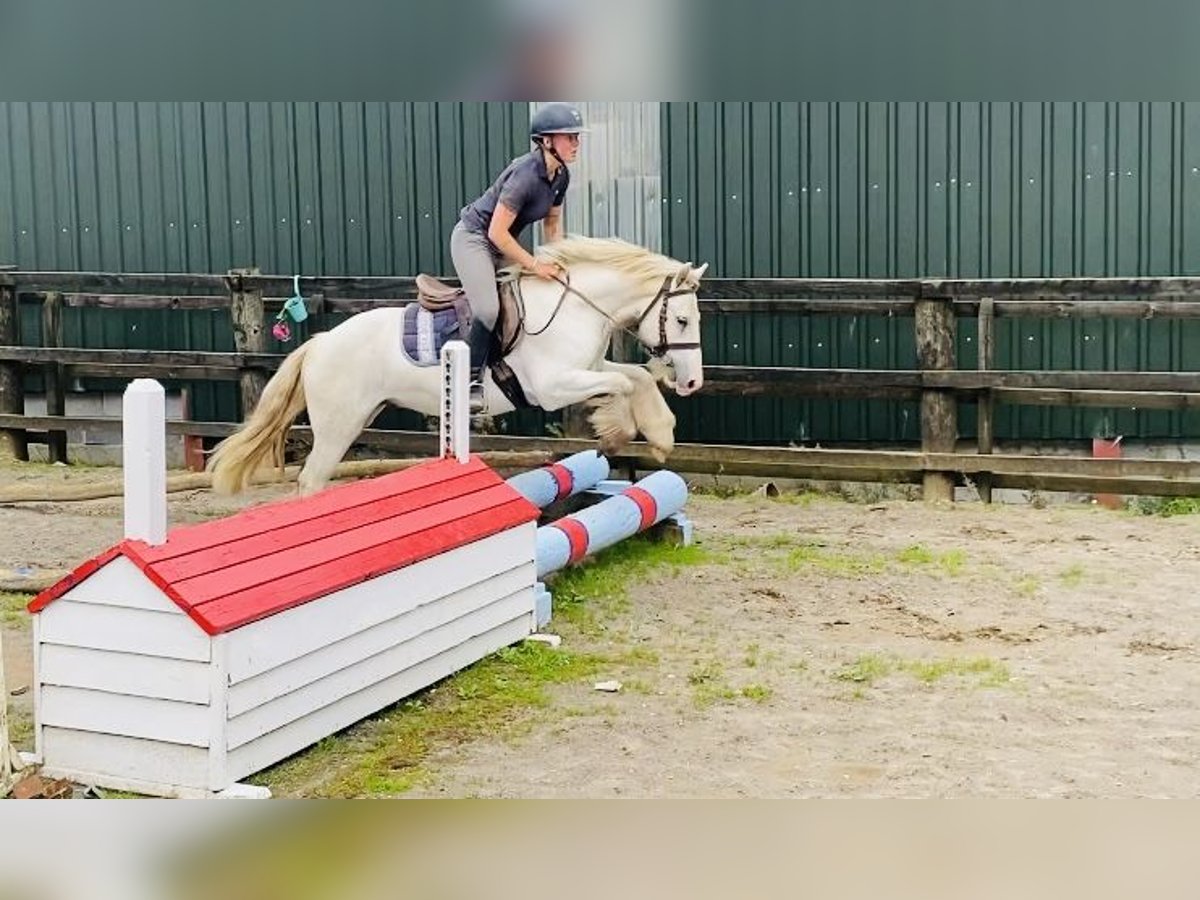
{"points": [[655, 296], [669, 328]]}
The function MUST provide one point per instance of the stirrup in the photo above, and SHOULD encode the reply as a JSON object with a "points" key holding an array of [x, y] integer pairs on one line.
{"points": [[476, 403]]}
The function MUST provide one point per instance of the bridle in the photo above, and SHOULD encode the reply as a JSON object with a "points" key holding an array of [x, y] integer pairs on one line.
{"points": [[660, 300]]}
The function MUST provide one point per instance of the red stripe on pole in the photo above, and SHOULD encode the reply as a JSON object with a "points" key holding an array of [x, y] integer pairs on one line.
{"points": [[563, 478], [645, 502], [577, 536]]}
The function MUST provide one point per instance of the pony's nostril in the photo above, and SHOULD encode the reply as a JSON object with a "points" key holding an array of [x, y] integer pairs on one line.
{"points": [[691, 384]]}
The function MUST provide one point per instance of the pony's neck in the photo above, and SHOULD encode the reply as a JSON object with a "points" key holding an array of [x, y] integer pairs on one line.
{"points": [[621, 296]]}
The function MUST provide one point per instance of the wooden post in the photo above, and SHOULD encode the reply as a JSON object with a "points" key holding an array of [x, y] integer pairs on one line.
{"points": [[249, 334], [56, 400], [986, 407], [13, 444], [935, 324]]}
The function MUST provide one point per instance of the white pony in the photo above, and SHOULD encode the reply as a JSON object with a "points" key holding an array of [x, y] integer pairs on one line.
{"points": [[345, 376]]}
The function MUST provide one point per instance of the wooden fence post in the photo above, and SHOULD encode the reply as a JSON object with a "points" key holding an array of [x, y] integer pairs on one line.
{"points": [[249, 333], [13, 444], [986, 407], [935, 325], [55, 379]]}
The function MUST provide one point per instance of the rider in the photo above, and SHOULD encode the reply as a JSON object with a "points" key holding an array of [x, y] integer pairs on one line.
{"points": [[530, 189]]}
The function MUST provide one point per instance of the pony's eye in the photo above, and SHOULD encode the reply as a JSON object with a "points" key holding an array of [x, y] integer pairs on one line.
{"points": [[681, 321]]}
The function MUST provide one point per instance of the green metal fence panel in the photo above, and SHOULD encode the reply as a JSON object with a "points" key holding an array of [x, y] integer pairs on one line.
{"points": [[309, 188], [895, 190]]}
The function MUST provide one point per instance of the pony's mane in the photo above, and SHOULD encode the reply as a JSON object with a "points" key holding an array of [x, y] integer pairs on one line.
{"points": [[630, 259]]}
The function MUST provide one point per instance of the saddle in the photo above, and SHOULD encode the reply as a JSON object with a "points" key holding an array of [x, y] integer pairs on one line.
{"points": [[438, 299]]}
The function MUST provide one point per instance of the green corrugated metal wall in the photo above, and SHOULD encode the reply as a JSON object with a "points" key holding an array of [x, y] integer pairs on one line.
{"points": [[314, 188], [786, 189], [914, 189]]}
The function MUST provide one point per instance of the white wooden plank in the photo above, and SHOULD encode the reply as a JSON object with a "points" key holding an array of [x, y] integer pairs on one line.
{"points": [[123, 630], [218, 712], [121, 763], [118, 714], [280, 744], [328, 660], [262, 719], [37, 687], [264, 645], [121, 583], [155, 677]]}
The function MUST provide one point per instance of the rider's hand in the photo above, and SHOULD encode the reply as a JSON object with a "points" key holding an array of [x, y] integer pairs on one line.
{"points": [[546, 270]]}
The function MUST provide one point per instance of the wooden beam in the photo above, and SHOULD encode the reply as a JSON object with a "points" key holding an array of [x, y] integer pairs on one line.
{"points": [[249, 333], [935, 335], [75, 356], [1104, 309], [53, 374], [1062, 288], [12, 394], [1110, 399], [788, 381], [1186, 382], [986, 409], [772, 288]]}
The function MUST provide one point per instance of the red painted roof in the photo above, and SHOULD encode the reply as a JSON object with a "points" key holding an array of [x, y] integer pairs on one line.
{"points": [[233, 571]]}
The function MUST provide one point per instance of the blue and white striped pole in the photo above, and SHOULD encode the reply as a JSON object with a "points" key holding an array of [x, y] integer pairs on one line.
{"points": [[565, 478], [571, 538]]}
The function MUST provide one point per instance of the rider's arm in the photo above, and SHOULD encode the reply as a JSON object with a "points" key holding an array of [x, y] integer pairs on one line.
{"points": [[499, 235], [553, 224]]}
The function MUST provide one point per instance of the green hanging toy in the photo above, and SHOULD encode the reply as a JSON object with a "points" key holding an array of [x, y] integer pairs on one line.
{"points": [[294, 309]]}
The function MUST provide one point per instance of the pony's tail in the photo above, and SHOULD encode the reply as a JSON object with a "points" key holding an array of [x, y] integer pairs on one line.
{"points": [[235, 460]]}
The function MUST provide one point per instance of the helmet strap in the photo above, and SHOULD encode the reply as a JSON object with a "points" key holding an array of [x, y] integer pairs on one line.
{"points": [[548, 146]]}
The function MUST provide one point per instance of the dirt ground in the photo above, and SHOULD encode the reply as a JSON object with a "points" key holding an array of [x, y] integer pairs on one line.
{"points": [[826, 648]]}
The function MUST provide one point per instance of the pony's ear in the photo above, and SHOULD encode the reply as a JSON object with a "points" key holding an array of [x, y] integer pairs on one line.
{"points": [[698, 273]]}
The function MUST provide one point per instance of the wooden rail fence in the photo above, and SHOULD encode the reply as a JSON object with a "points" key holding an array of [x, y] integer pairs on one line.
{"points": [[935, 306]]}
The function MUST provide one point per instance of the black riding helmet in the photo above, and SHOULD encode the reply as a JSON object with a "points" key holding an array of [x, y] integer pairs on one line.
{"points": [[556, 118]]}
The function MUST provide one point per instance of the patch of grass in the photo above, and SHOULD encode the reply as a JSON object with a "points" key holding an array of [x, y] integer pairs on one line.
{"points": [[1027, 586], [387, 755], [868, 669], [865, 670], [750, 660], [709, 685], [951, 562], [832, 562], [799, 498], [20, 728], [1072, 576], [590, 595], [1166, 506], [989, 671], [757, 692], [12, 609]]}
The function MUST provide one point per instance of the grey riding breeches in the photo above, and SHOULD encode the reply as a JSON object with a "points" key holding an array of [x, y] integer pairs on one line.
{"points": [[475, 262]]}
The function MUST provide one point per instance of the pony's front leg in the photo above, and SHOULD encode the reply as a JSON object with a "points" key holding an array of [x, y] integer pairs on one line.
{"points": [[566, 388], [652, 416]]}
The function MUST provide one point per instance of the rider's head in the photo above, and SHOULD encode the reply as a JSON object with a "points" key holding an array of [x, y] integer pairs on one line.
{"points": [[556, 127]]}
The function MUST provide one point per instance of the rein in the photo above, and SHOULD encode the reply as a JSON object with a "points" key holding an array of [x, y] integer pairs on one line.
{"points": [[660, 299]]}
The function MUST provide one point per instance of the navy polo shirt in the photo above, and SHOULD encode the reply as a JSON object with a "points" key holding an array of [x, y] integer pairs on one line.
{"points": [[524, 186]]}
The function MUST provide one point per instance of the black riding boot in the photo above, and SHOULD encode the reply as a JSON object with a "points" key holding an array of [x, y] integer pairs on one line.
{"points": [[480, 342]]}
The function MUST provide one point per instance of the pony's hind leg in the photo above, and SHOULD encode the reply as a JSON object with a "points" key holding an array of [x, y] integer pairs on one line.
{"points": [[334, 428]]}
